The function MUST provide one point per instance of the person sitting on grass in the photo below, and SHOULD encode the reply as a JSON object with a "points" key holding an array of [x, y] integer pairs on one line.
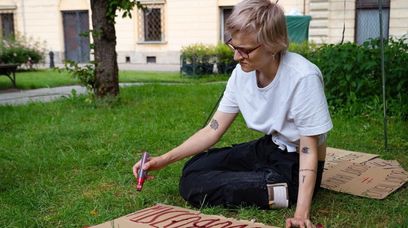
{"points": [[278, 93]]}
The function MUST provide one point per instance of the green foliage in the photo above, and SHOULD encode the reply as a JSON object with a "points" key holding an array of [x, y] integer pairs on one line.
{"points": [[197, 53], [304, 48], [347, 69], [352, 75], [197, 59], [21, 50], [122, 5], [224, 54], [85, 74], [225, 59]]}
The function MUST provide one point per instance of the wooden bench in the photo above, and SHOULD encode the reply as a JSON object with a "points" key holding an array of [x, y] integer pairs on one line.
{"points": [[9, 70]]}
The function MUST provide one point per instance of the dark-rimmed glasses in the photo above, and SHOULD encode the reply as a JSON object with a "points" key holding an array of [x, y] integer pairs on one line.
{"points": [[242, 51]]}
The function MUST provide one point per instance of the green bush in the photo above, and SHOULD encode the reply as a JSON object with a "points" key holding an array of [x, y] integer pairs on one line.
{"points": [[225, 59], [85, 74], [352, 74], [224, 54], [20, 50], [197, 53], [304, 48], [197, 59]]}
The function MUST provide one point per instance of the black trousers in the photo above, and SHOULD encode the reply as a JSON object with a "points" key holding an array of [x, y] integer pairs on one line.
{"points": [[238, 175]]}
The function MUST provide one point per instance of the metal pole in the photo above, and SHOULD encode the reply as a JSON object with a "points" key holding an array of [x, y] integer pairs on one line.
{"points": [[383, 74]]}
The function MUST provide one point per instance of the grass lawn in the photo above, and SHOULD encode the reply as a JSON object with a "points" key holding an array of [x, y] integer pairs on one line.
{"points": [[38, 79], [53, 78], [68, 163]]}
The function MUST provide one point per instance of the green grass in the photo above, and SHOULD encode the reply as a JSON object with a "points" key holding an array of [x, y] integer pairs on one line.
{"points": [[53, 78], [38, 79], [68, 163]]}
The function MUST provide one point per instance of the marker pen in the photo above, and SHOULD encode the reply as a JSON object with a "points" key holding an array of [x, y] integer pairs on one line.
{"points": [[142, 174]]}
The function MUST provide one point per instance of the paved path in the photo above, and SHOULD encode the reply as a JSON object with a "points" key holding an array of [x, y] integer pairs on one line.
{"points": [[17, 97], [35, 95]]}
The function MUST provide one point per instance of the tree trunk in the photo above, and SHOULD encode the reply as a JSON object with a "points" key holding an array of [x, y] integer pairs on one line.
{"points": [[104, 35]]}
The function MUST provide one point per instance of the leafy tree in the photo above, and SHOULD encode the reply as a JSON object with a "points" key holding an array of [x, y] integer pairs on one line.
{"points": [[104, 36]]}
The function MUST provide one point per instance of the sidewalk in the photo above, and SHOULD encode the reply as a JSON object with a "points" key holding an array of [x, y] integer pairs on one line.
{"points": [[35, 95], [17, 97]]}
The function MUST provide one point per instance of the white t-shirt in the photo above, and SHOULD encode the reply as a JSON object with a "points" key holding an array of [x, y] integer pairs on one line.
{"points": [[292, 105]]}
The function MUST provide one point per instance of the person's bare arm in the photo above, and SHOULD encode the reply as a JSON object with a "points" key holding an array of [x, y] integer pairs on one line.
{"points": [[200, 141], [308, 155]]}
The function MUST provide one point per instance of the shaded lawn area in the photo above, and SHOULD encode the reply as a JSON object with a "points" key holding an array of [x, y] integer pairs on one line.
{"points": [[68, 163], [53, 78]]}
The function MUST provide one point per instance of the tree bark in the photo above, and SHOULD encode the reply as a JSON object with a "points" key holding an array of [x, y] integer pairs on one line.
{"points": [[104, 38]]}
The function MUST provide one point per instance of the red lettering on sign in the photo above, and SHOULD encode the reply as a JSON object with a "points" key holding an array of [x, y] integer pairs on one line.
{"points": [[336, 180], [176, 223], [379, 191], [168, 217], [367, 180], [397, 176], [356, 169]]}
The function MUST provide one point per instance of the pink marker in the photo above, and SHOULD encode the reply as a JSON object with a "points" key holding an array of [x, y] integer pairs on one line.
{"points": [[142, 174]]}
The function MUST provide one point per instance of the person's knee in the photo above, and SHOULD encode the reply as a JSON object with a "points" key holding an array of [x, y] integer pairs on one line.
{"points": [[188, 188]]}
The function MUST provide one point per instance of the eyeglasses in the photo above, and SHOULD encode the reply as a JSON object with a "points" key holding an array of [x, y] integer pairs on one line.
{"points": [[242, 51]]}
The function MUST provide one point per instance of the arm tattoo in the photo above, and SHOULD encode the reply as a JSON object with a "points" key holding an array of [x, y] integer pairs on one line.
{"points": [[305, 150], [214, 124], [304, 170]]}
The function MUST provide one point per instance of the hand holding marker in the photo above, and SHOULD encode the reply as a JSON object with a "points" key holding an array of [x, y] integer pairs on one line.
{"points": [[142, 174]]}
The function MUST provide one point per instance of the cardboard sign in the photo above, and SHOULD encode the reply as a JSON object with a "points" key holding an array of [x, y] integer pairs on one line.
{"points": [[362, 174], [385, 164], [334, 156], [165, 216]]}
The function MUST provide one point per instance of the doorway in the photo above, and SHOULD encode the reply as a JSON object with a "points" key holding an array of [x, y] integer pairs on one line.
{"points": [[76, 24]]}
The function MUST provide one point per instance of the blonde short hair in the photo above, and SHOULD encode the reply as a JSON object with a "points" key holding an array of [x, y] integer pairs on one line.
{"points": [[264, 18]]}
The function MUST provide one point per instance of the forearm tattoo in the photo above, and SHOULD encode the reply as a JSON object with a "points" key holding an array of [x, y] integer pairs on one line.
{"points": [[305, 150], [214, 124], [306, 170]]}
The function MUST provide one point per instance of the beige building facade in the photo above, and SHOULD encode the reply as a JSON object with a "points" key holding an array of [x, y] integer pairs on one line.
{"points": [[158, 34]]}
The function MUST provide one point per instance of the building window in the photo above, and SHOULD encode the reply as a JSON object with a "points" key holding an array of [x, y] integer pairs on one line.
{"points": [[367, 19], [151, 22], [6, 25]]}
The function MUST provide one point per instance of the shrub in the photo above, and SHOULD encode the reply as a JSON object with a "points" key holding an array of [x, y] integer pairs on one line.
{"points": [[85, 74], [225, 59], [352, 74], [20, 50], [304, 48], [224, 54], [197, 53], [347, 70], [197, 59]]}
